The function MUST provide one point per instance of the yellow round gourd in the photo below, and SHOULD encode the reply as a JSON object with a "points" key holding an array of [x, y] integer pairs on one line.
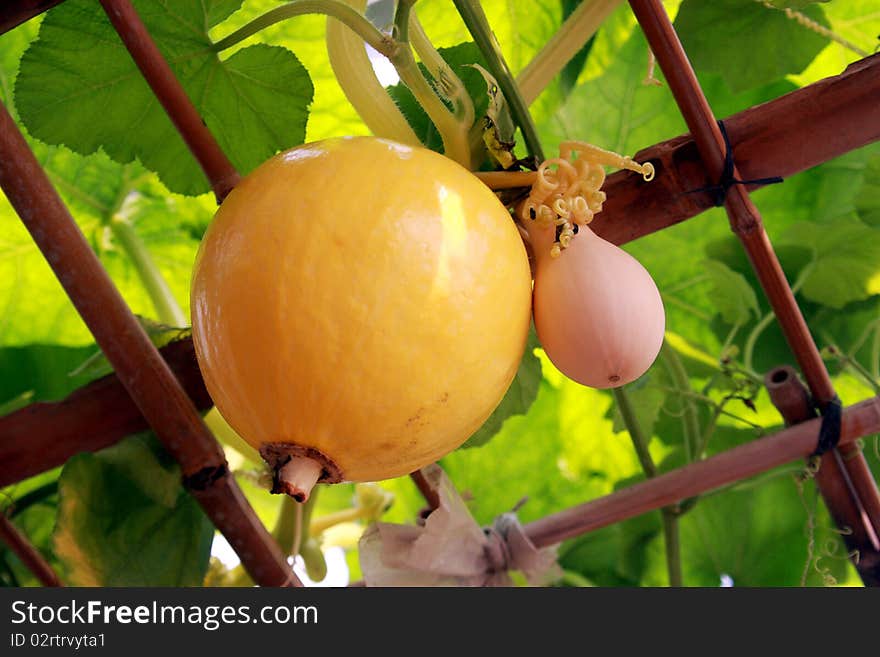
{"points": [[360, 307]]}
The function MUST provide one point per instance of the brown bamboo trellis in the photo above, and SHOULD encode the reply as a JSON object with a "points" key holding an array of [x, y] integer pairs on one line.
{"points": [[165, 393]]}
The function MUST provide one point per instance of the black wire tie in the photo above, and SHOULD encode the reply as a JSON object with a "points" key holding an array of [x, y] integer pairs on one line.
{"points": [[719, 190], [829, 431]]}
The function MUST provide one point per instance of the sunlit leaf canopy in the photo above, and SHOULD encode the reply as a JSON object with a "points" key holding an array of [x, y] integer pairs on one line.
{"points": [[112, 154]]}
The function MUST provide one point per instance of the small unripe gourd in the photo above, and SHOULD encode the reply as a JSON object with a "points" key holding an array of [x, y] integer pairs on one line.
{"points": [[359, 309], [598, 313]]}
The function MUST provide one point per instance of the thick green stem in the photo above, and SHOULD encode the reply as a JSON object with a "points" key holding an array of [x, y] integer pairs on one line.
{"points": [[338, 10], [669, 514], [446, 79], [356, 76], [168, 311], [288, 524], [690, 421], [32, 498], [562, 46], [454, 134], [639, 440], [475, 20], [672, 540], [575, 580], [7, 569]]}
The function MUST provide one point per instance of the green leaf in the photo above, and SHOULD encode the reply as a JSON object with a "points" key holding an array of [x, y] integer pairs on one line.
{"points": [[40, 372], [170, 226], [125, 520], [846, 260], [613, 556], [734, 296], [97, 365], [867, 200], [758, 537], [519, 396], [748, 44], [78, 86]]}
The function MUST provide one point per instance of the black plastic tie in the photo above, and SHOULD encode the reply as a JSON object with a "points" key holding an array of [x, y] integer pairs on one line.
{"points": [[727, 180], [829, 431]]}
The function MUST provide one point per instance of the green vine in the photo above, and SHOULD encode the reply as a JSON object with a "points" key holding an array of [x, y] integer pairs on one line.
{"points": [[475, 20], [669, 515]]}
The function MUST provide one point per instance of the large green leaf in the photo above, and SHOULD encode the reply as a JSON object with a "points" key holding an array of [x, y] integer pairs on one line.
{"points": [[613, 556], [846, 260], [79, 87], [758, 537], [733, 296], [748, 44], [125, 520]]}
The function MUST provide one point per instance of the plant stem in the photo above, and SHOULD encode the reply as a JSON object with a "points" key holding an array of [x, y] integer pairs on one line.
{"points": [[672, 540], [319, 525], [709, 402], [7, 569], [668, 514], [639, 440], [475, 20], [287, 524], [851, 363], [31, 498], [575, 579], [730, 336], [455, 135], [338, 10], [168, 310], [684, 305], [356, 76], [507, 179], [562, 46], [452, 86], [690, 422]]}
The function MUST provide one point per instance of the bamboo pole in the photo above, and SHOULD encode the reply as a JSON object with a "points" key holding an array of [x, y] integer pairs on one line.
{"points": [[140, 368], [156, 71], [798, 130], [745, 221], [13, 14], [701, 477], [792, 400], [43, 435], [27, 553]]}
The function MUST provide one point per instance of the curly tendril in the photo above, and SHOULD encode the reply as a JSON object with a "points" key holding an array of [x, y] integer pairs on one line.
{"points": [[567, 192]]}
